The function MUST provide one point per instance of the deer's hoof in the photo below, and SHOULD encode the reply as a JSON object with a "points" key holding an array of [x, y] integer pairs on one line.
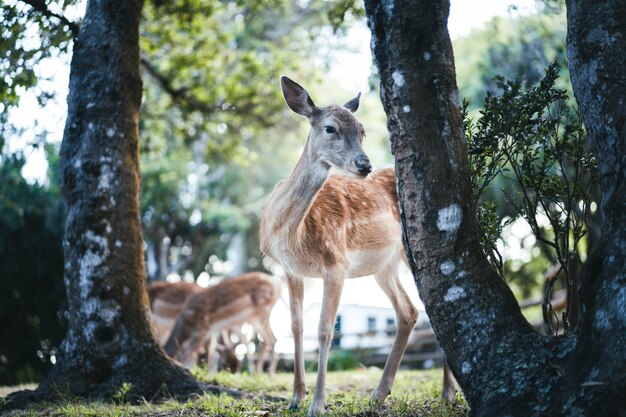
{"points": [[379, 396], [295, 402], [449, 395], [316, 410]]}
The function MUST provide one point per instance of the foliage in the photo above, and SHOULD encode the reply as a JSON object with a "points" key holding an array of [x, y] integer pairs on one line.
{"points": [[530, 146], [32, 297], [213, 138], [339, 360], [211, 68], [20, 53], [122, 395], [518, 47], [212, 121], [416, 393]]}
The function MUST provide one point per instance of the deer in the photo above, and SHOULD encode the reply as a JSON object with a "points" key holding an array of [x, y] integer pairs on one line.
{"points": [[248, 298], [166, 302], [335, 227]]}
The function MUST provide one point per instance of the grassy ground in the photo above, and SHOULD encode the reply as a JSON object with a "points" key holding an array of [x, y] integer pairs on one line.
{"points": [[415, 393]]}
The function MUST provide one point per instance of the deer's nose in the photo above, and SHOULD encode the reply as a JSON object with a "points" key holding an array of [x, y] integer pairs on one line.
{"points": [[363, 165]]}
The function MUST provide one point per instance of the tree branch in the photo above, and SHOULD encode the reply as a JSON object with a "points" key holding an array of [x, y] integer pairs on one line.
{"points": [[42, 7], [180, 95]]}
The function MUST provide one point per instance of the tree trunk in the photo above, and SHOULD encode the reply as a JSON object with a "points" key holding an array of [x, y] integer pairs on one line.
{"points": [[109, 341], [596, 48], [502, 364]]}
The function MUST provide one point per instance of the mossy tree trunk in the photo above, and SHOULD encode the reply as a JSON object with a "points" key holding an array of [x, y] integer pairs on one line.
{"points": [[109, 341], [502, 364]]}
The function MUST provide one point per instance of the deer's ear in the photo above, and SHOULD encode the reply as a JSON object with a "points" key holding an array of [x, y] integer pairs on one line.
{"points": [[353, 104], [296, 97]]}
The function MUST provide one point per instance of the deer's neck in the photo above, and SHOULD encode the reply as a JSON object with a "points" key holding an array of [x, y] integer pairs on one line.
{"points": [[299, 191]]}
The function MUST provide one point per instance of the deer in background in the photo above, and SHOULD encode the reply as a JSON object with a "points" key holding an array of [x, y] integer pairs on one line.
{"points": [[248, 298], [335, 227], [166, 302]]}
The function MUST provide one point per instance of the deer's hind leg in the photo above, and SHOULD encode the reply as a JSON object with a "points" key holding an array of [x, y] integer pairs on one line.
{"points": [[449, 383], [406, 316], [262, 326]]}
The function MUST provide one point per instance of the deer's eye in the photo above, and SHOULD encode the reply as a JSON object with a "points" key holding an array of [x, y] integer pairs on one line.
{"points": [[329, 129]]}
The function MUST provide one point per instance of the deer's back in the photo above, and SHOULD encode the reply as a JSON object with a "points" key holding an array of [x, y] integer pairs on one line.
{"points": [[257, 288], [171, 293]]}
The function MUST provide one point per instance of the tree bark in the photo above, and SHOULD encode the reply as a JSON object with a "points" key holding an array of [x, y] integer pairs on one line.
{"points": [[502, 364], [596, 48], [109, 341]]}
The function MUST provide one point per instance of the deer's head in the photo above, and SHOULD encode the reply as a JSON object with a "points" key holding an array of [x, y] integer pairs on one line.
{"points": [[336, 135]]}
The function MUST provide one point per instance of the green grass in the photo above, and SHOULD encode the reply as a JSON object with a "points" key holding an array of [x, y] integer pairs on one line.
{"points": [[415, 393]]}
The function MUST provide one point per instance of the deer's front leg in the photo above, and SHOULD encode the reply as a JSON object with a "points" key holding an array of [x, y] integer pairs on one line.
{"points": [[449, 383], [212, 357], [296, 295], [333, 285]]}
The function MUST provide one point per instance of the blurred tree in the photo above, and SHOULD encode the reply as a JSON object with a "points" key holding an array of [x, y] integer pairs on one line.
{"points": [[109, 341], [203, 121], [518, 48], [212, 120], [29, 34], [504, 366], [32, 300], [210, 69], [210, 123], [532, 141]]}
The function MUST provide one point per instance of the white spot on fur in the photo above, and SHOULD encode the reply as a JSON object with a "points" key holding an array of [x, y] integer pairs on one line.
{"points": [[447, 267], [449, 218], [77, 163], [406, 109], [398, 78], [426, 56], [110, 132], [454, 294], [126, 291], [90, 126], [118, 244], [90, 105]]}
